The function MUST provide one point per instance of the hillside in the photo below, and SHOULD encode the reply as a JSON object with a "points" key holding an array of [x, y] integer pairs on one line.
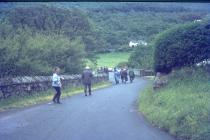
{"points": [[115, 24], [91, 28]]}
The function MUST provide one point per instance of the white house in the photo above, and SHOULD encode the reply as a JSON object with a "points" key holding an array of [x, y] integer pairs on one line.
{"points": [[133, 44], [197, 20], [136, 43]]}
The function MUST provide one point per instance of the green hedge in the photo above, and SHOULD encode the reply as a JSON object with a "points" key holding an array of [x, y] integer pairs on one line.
{"points": [[183, 45]]}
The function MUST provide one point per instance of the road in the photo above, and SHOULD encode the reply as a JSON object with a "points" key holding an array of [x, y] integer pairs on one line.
{"points": [[109, 114]]}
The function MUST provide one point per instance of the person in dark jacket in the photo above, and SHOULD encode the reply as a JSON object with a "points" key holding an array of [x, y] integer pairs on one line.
{"points": [[125, 73], [86, 79], [131, 75], [122, 75]]}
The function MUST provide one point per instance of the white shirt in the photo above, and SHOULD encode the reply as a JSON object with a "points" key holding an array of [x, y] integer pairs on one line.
{"points": [[56, 80]]}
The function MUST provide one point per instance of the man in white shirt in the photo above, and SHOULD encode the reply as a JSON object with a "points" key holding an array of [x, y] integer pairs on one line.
{"points": [[56, 83]]}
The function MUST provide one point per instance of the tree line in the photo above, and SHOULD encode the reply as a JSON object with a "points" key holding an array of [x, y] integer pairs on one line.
{"points": [[34, 39]]}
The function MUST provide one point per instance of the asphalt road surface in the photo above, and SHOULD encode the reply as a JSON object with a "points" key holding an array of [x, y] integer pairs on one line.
{"points": [[109, 114]]}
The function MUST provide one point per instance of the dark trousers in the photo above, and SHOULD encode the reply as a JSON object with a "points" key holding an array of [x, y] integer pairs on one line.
{"points": [[131, 79], [57, 95], [87, 86]]}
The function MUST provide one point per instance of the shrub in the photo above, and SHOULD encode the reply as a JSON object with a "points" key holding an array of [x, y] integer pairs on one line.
{"points": [[26, 55], [183, 45], [142, 57]]}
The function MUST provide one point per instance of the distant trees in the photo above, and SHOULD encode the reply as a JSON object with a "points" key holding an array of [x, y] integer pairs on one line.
{"points": [[36, 39], [50, 20], [119, 27]]}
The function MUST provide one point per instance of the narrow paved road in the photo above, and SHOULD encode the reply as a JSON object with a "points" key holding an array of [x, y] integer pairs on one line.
{"points": [[110, 114]]}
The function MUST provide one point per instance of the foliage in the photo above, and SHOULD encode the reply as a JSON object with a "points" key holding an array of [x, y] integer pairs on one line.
{"points": [[96, 27], [137, 22], [182, 107], [25, 54], [182, 46], [142, 58], [50, 19]]}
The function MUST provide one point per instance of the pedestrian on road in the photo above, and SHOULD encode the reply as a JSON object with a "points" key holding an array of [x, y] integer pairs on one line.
{"points": [[121, 75], [125, 73], [131, 75], [86, 79], [56, 84], [116, 75]]}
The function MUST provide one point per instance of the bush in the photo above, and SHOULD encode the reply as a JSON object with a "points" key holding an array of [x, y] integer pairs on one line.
{"points": [[142, 57], [29, 55], [181, 46]]}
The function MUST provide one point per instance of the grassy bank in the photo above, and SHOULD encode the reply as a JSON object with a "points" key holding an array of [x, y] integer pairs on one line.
{"points": [[182, 107], [25, 101]]}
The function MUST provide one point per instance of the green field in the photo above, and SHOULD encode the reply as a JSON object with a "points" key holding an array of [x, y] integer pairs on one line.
{"points": [[112, 59]]}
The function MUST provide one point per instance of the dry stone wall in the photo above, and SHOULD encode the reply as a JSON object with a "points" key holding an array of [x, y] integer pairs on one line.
{"points": [[21, 86]]}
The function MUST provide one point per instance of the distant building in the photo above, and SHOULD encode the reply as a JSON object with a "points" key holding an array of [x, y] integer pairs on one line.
{"points": [[136, 43], [133, 44], [197, 20]]}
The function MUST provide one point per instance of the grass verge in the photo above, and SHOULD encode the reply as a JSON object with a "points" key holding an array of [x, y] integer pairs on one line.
{"points": [[41, 97], [182, 107]]}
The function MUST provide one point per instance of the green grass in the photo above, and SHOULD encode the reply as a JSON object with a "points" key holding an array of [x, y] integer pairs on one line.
{"points": [[182, 107], [112, 59], [29, 100]]}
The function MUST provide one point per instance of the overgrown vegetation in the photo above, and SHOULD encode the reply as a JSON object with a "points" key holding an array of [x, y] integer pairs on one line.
{"points": [[182, 107]]}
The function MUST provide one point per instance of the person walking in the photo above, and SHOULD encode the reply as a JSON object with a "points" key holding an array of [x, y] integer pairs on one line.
{"points": [[125, 73], [56, 84], [131, 75], [86, 79], [116, 75], [122, 75]]}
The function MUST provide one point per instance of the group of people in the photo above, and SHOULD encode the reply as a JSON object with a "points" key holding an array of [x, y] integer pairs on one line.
{"points": [[123, 74], [86, 77], [56, 83], [103, 70]]}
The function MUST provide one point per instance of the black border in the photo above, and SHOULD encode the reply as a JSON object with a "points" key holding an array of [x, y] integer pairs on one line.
{"points": [[166, 1]]}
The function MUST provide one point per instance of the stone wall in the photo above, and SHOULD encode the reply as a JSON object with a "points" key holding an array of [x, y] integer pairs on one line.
{"points": [[144, 72], [21, 86]]}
